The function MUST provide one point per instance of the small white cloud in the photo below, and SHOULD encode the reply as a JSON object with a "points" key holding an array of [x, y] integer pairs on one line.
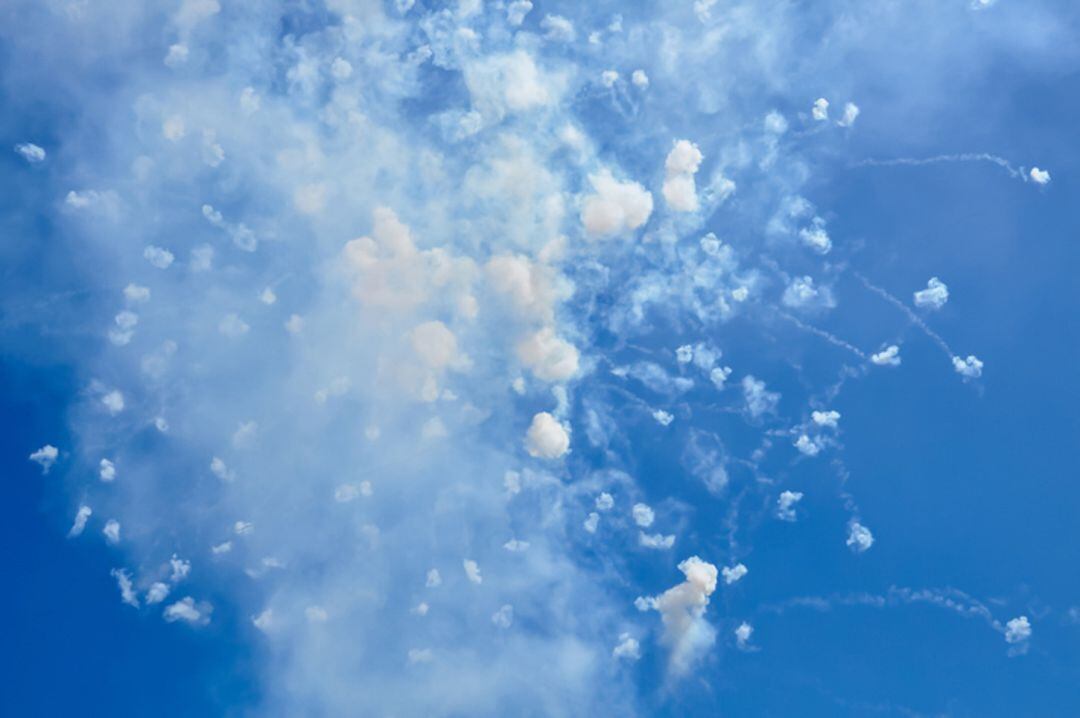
{"points": [[267, 296], [472, 571], [851, 112], [605, 501], [608, 78], [113, 401], [775, 124], [30, 152], [615, 208], [592, 522], [808, 446], [136, 294], [934, 296], [859, 537], [1018, 630], [889, 356], [158, 257], [656, 541], [682, 163], [734, 573], [124, 330], [186, 610], [219, 469], [345, 493], [420, 655], [970, 368], [157, 593], [87, 199], [627, 648], [816, 237], [517, 10], [759, 401], [826, 418], [801, 293], [434, 580], [548, 357], [719, 376], [662, 417], [112, 531], [45, 457], [106, 470], [640, 79], [221, 548], [179, 569], [81, 517], [127, 588], [546, 437], [785, 505], [820, 110], [232, 326], [1039, 176], [643, 515], [504, 617], [516, 546], [243, 528], [557, 28], [743, 632], [509, 82]]}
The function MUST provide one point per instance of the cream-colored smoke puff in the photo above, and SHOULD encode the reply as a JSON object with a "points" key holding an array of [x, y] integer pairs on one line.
{"points": [[616, 207], [549, 357], [682, 610], [680, 191], [546, 437]]}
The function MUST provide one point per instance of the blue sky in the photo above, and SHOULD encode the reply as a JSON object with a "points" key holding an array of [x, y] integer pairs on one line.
{"points": [[502, 358]]}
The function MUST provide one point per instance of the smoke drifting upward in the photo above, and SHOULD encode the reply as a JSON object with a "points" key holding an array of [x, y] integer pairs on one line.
{"points": [[375, 307]]}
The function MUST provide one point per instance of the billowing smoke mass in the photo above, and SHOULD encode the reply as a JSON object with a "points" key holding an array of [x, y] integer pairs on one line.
{"points": [[499, 358]]}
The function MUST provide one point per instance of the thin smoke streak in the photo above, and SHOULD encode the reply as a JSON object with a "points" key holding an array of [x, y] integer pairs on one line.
{"points": [[948, 598], [912, 316], [831, 338], [1014, 172]]}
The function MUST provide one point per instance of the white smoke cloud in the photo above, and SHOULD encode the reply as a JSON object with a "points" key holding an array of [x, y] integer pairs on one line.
{"points": [[546, 437], [361, 284], [687, 633], [734, 573], [45, 457], [81, 517], [934, 296], [859, 537], [681, 165], [616, 208], [785, 505]]}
